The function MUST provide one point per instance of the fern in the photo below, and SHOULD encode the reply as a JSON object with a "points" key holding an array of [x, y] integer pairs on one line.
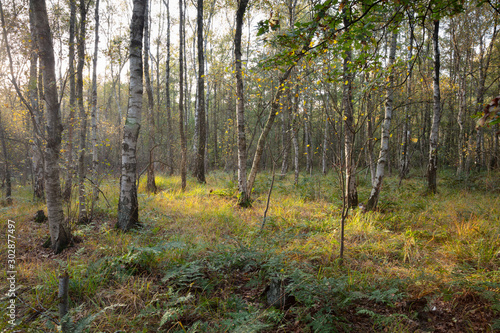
{"points": [[83, 324]]}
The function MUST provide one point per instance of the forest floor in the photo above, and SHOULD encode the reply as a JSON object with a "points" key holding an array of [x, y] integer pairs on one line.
{"points": [[199, 263]]}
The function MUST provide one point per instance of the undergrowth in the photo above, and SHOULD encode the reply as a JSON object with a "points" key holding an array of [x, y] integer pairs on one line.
{"points": [[200, 263]]}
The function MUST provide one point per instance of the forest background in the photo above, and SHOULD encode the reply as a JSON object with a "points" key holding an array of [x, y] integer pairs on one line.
{"points": [[374, 122]]}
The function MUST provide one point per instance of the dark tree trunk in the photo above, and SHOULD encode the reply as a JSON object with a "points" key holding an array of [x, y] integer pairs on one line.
{"points": [[150, 184], [95, 158], [199, 171], [37, 146], [181, 97], [82, 216], [72, 103], [59, 229], [169, 134]]}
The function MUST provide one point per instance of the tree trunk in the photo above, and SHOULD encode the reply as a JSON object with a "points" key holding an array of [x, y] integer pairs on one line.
{"points": [[244, 194], [181, 97], [200, 105], [434, 136], [72, 103], [307, 142], [82, 207], [128, 207], [350, 165], [95, 151], [324, 157], [404, 166], [59, 230], [285, 134], [8, 183], [275, 105], [461, 112], [150, 184], [37, 146], [216, 139], [169, 134], [369, 134], [295, 142], [384, 142]]}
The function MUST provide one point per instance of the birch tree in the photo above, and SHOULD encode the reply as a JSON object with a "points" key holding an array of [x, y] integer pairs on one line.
{"points": [[244, 195], [128, 207], [384, 142], [434, 136]]}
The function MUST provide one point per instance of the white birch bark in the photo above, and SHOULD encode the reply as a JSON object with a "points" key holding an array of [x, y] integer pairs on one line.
{"points": [[244, 195], [128, 207], [384, 142], [434, 135]]}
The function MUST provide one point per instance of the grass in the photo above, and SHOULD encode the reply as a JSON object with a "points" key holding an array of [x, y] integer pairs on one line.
{"points": [[201, 264]]}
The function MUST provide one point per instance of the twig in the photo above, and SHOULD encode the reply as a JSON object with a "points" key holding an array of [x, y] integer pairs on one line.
{"points": [[268, 199], [97, 187]]}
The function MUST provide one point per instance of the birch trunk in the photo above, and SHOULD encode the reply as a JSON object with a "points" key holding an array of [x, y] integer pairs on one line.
{"points": [[59, 230], [384, 142], [200, 106], [128, 207], [150, 184], [95, 151], [82, 207], [434, 136], [244, 195]]}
